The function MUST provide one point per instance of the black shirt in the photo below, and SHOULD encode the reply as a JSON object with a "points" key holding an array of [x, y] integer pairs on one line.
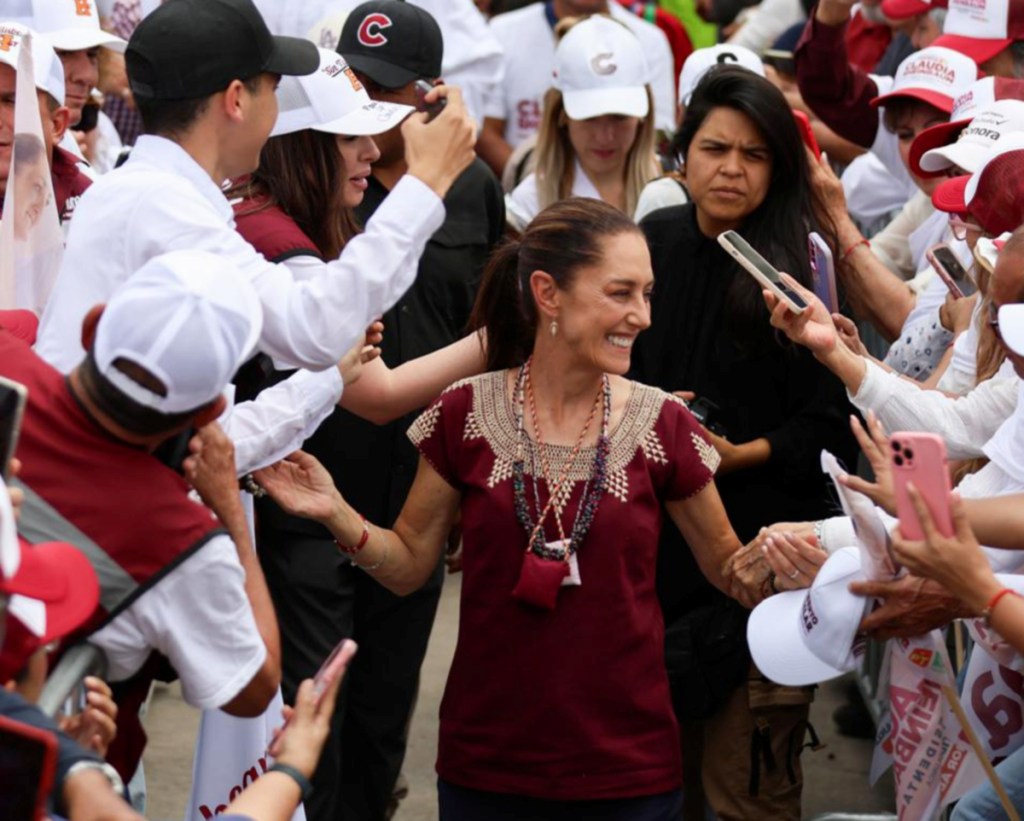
{"points": [[372, 465], [764, 388]]}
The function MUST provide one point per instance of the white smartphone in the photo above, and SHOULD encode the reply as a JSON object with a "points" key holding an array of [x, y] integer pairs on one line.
{"points": [[824, 270], [761, 270]]}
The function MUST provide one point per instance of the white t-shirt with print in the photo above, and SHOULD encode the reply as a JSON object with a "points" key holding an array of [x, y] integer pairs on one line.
{"points": [[528, 41]]}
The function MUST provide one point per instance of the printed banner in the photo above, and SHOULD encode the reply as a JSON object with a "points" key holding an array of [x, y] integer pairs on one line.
{"points": [[31, 242], [993, 694]]}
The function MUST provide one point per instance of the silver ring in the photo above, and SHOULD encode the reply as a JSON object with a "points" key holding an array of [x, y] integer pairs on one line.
{"points": [[794, 574]]}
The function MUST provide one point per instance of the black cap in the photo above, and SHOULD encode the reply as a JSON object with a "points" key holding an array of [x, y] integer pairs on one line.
{"points": [[186, 49], [392, 42]]}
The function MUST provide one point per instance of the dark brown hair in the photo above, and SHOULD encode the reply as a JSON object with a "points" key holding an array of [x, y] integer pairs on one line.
{"points": [[562, 238], [303, 174]]}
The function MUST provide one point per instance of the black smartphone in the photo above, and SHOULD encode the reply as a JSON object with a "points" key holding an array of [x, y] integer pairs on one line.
{"points": [[423, 88], [28, 759], [13, 396]]}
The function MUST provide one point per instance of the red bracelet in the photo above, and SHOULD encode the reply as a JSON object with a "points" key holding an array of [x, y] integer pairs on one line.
{"points": [[855, 246], [351, 551], [987, 612]]}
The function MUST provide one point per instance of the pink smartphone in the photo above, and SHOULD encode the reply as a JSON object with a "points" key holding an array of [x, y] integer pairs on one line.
{"points": [[949, 269], [333, 667], [921, 458]]}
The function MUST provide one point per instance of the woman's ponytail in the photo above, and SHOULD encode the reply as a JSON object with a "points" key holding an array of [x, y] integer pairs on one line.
{"points": [[499, 308]]}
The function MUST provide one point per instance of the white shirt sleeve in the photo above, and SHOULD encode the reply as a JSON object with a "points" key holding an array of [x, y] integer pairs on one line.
{"points": [[281, 418], [200, 618], [966, 422]]}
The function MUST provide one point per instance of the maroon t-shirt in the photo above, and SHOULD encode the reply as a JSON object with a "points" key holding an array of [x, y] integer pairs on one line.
{"points": [[573, 703]]}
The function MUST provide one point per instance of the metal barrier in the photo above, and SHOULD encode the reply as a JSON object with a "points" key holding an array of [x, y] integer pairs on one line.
{"points": [[79, 661]]}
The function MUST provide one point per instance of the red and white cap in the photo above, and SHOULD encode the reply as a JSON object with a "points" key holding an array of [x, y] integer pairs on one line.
{"points": [[202, 321], [978, 96], [982, 28], [905, 9], [332, 99], [989, 126], [600, 69], [703, 59], [933, 75], [802, 637], [46, 65], [994, 194], [73, 25]]}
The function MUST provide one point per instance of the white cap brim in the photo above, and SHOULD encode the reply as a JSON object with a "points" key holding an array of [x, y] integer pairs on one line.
{"points": [[631, 101], [1011, 327], [776, 647], [77, 39], [965, 155], [375, 118]]}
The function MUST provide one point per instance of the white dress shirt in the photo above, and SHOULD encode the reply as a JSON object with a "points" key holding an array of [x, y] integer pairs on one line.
{"points": [[161, 200]]}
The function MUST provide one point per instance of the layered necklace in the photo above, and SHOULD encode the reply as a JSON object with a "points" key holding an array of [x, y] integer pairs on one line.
{"points": [[593, 488]]}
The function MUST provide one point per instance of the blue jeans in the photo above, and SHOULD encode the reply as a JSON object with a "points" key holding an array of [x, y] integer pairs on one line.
{"points": [[983, 804], [463, 804]]}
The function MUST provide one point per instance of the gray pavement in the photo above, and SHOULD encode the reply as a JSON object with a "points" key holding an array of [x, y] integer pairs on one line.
{"points": [[836, 777]]}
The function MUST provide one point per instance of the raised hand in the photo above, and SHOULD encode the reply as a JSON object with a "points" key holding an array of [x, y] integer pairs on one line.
{"points": [[876, 448], [439, 151], [210, 469], [300, 485], [813, 327]]}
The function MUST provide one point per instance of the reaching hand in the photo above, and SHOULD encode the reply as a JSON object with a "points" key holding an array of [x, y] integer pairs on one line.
{"points": [[849, 335], [96, 726], [958, 564], [210, 468], [365, 350], [813, 327], [794, 560], [747, 573], [439, 151], [910, 606], [300, 485], [876, 449]]}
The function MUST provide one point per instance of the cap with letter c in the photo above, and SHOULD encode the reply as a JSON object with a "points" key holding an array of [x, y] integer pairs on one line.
{"points": [[704, 59], [392, 42]]}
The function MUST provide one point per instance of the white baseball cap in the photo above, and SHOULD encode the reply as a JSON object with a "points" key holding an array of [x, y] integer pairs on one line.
{"points": [[600, 69], [202, 319], [802, 637], [73, 25], [994, 193], [1011, 326], [989, 125], [46, 65], [982, 28], [332, 99], [703, 59], [933, 75]]}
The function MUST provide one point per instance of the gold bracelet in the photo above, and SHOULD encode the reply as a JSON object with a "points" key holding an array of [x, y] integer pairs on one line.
{"points": [[369, 568]]}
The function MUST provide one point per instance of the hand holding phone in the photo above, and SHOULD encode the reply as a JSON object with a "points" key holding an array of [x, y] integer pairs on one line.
{"points": [[333, 667], [950, 271], [803, 125], [921, 458], [761, 270], [423, 88], [824, 270]]}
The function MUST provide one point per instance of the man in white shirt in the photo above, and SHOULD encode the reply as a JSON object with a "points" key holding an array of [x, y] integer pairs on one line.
{"points": [[203, 74], [527, 36]]}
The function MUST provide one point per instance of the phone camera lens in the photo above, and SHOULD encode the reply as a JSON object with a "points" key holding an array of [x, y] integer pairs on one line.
{"points": [[898, 460], [896, 446], [908, 453]]}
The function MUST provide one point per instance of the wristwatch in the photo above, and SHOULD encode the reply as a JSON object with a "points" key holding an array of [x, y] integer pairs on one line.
{"points": [[101, 766]]}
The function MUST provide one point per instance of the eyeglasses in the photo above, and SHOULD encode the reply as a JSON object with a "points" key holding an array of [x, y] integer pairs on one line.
{"points": [[960, 227]]}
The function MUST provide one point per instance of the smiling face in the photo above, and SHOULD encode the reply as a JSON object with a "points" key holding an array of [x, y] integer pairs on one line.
{"points": [[728, 170], [357, 155], [30, 195], [607, 305], [602, 144], [909, 121]]}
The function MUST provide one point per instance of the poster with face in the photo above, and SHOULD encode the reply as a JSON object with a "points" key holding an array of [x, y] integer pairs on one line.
{"points": [[31, 241]]}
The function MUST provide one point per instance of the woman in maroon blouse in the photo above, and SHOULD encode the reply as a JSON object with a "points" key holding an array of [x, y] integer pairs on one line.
{"points": [[557, 704]]}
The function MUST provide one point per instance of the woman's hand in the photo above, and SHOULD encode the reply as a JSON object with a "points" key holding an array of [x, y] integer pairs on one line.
{"points": [[955, 313], [96, 726], [958, 564], [875, 444], [794, 560], [747, 574], [813, 327], [849, 335], [364, 351], [301, 486], [829, 187]]}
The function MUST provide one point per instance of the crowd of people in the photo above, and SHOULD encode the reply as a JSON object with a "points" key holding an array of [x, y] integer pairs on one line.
{"points": [[306, 305]]}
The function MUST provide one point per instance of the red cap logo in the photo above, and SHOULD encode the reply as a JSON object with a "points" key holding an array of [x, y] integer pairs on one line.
{"points": [[7, 41], [82, 8], [370, 30]]}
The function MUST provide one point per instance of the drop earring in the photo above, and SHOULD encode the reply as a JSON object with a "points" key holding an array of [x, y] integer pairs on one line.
{"points": [[554, 327]]}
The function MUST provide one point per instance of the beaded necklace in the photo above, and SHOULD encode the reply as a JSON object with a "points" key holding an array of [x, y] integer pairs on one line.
{"points": [[592, 489]]}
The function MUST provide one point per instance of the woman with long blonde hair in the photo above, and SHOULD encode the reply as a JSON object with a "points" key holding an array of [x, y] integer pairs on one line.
{"points": [[597, 132]]}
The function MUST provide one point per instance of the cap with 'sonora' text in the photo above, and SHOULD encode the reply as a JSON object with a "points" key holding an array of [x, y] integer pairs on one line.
{"points": [[189, 49], [393, 43]]}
